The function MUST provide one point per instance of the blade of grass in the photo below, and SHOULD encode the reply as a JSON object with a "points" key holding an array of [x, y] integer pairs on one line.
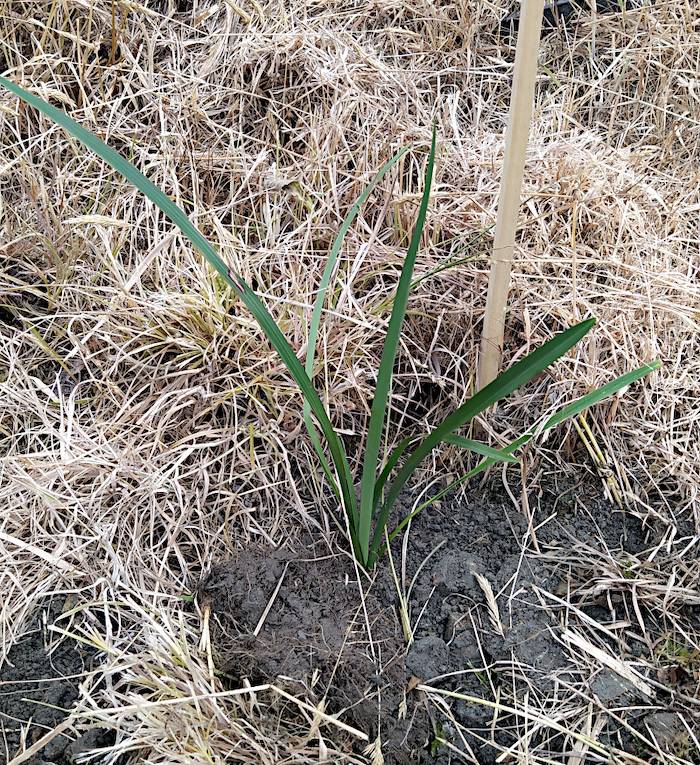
{"points": [[386, 366], [239, 286], [446, 267], [320, 300], [570, 410], [508, 381]]}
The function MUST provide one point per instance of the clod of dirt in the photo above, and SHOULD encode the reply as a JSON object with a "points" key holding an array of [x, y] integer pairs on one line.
{"points": [[465, 646], [457, 567], [666, 728], [95, 738], [611, 689], [428, 657], [38, 689]]}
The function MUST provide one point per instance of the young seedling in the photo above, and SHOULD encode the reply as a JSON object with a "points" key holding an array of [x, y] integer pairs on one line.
{"points": [[367, 521]]}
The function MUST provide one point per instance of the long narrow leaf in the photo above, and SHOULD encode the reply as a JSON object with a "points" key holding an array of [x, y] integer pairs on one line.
{"points": [[391, 463], [240, 288], [508, 381], [464, 443], [570, 410], [599, 394], [386, 367], [320, 300], [499, 455]]}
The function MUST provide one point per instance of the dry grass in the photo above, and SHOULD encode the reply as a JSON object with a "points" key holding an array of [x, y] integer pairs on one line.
{"points": [[146, 429]]}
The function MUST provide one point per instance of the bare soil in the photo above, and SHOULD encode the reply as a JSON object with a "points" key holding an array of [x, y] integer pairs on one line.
{"points": [[315, 636], [325, 639], [39, 685]]}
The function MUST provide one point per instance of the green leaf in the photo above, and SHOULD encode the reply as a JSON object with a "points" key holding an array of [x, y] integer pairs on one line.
{"points": [[321, 297], [465, 443], [386, 367], [239, 286], [597, 395], [570, 410], [391, 463], [479, 448], [508, 381]]}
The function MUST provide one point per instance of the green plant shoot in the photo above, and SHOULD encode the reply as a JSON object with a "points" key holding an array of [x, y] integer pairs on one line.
{"points": [[368, 521]]}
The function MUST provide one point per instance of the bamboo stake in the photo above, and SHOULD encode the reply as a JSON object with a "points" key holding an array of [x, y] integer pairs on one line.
{"points": [[517, 134]]}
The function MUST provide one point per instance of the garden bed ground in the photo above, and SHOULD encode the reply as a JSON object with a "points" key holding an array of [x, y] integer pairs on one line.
{"points": [[498, 605], [324, 640], [39, 685], [148, 433]]}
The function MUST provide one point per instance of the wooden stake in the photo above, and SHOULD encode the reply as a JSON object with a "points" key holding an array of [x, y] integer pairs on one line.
{"points": [[517, 135]]}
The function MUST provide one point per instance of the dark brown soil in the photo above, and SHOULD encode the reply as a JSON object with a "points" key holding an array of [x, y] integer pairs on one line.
{"points": [[38, 688], [315, 637]]}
